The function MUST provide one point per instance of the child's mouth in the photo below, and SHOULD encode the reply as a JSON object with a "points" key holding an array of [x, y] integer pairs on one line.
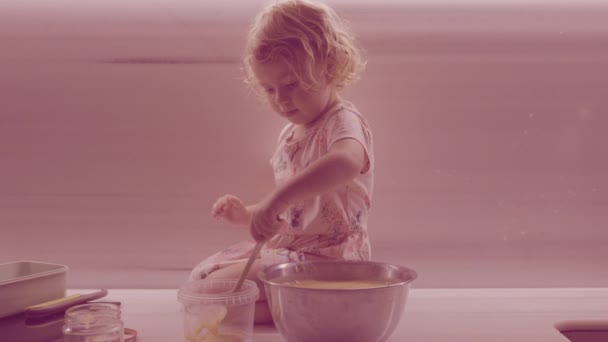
{"points": [[290, 113]]}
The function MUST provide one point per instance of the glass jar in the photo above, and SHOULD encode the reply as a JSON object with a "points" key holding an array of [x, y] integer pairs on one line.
{"points": [[93, 322]]}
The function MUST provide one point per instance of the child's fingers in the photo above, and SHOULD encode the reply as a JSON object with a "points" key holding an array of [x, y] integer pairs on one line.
{"points": [[263, 228], [228, 207], [257, 236], [234, 201], [216, 212], [231, 201], [230, 198], [216, 206], [218, 209], [223, 203]]}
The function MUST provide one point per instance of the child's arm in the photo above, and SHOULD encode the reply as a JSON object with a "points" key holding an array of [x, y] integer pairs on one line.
{"points": [[342, 163]]}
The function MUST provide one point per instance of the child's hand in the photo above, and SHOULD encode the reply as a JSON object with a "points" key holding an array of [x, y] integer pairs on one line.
{"points": [[265, 221], [231, 209]]}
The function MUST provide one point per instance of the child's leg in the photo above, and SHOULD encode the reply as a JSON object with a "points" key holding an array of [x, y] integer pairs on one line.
{"points": [[234, 272], [262, 312], [231, 255]]}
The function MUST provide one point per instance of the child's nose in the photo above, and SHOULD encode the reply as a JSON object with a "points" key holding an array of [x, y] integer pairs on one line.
{"points": [[281, 97]]}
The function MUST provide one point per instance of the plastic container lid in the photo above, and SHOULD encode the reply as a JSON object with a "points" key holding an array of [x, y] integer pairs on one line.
{"points": [[217, 291]]}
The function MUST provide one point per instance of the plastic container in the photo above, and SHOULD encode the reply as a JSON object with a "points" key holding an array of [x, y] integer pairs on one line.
{"points": [[26, 283], [211, 312], [98, 322]]}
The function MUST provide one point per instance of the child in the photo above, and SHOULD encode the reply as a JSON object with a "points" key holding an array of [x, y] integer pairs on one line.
{"points": [[299, 56]]}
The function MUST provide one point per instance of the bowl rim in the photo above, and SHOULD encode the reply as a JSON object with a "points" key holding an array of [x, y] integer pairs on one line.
{"points": [[263, 278]]}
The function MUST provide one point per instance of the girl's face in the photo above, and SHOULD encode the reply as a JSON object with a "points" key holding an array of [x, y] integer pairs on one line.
{"points": [[287, 98]]}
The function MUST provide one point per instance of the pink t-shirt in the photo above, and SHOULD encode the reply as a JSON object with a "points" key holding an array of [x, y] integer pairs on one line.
{"points": [[333, 224], [330, 226]]}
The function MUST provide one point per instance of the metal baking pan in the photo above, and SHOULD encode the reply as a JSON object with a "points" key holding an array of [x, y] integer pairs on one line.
{"points": [[26, 283]]}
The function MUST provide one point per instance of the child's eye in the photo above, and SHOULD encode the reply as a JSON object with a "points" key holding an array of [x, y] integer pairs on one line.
{"points": [[292, 85]]}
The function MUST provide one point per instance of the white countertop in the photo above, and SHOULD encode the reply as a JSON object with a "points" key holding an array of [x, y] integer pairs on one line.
{"points": [[430, 315]]}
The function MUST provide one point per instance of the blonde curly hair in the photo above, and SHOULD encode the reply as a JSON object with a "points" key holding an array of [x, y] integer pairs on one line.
{"points": [[310, 38]]}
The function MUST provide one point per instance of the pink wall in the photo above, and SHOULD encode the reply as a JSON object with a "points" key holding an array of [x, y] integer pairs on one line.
{"points": [[120, 126]]}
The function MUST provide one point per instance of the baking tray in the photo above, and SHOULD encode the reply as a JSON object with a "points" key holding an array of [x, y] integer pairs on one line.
{"points": [[26, 283]]}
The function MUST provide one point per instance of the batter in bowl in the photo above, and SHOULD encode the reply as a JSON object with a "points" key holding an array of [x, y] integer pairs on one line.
{"points": [[337, 285]]}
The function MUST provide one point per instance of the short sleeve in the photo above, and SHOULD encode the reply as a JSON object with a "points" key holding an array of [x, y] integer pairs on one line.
{"points": [[281, 139], [347, 124]]}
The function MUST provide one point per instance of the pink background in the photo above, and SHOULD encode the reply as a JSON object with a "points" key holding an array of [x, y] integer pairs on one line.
{"points": [[122, 122]]}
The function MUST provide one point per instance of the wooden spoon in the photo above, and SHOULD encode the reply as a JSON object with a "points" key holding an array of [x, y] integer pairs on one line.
{"points": [[254, 254]]}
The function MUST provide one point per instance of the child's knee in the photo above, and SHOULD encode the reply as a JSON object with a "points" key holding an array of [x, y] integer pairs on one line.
{"points": [[235, 271]]}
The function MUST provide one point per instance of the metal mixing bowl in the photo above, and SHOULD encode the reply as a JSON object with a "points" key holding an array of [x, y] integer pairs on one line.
{"points": [[343, 315]]}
